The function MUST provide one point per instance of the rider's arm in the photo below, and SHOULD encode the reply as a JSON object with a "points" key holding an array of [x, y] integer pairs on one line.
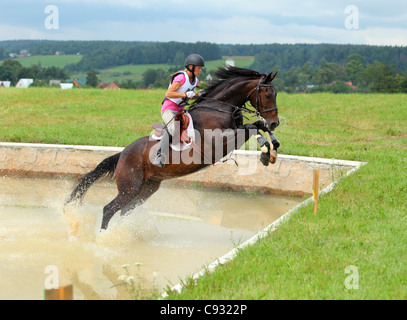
{"points": [[172, 91]]}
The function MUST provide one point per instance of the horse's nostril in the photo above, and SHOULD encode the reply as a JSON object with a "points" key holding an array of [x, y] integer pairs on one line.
{"points": [[274, 125]]}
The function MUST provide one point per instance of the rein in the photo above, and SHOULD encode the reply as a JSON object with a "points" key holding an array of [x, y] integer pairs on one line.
{"points": [[243, 107]]}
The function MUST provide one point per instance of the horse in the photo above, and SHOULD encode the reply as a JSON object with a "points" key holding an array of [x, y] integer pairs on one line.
{"points": [[218, 119]]}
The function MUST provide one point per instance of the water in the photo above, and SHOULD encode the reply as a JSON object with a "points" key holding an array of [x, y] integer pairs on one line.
{"points": [[172, 236]]}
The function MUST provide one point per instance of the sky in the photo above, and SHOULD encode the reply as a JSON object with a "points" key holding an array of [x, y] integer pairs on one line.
{"points": [[369, 22]]}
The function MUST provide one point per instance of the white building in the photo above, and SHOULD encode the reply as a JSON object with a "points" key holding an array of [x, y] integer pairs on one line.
{"points": [[66, 86], [24, 83], [230, 62], [5, 84]]}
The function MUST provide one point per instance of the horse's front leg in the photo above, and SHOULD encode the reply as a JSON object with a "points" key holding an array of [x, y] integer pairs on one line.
{"points": [[261, 125], [267, 154]]}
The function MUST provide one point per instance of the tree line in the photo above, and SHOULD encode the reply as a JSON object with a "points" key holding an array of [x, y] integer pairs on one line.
{"points": [[353, 75], [289, 55], [102, 54], [106, 54], [310, 67], [13, 71]]}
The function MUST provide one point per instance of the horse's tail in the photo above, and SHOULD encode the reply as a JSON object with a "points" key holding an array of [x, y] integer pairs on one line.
{"points": [[106, 168]]}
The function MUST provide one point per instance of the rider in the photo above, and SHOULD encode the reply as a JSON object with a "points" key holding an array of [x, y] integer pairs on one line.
{"points": [[181, 89]]}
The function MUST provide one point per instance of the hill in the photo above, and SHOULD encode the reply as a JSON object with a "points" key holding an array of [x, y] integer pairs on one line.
{"points": [[104, 54], [60, 61]]}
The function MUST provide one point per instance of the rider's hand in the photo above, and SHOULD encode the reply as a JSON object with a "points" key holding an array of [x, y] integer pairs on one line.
{"points": [[190, 94]]}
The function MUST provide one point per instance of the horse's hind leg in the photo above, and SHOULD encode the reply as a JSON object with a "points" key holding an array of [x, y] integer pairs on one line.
{"points": [[115, 205], [149, 188]]}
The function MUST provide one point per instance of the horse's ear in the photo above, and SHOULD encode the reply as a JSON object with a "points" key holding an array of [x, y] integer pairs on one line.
{"points": [[270, 77]]}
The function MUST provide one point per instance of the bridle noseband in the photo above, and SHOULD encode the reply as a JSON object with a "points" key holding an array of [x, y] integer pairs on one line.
{"points": [[258, 102]]}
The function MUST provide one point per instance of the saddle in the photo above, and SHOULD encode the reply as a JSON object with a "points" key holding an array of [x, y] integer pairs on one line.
{"points": [[186, 136]]}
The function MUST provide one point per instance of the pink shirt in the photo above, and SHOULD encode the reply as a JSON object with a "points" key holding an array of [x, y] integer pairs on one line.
{"points": [[170, 105]]}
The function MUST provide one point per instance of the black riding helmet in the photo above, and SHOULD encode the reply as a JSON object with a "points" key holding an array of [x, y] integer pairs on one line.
{"points": [[195, 60]]}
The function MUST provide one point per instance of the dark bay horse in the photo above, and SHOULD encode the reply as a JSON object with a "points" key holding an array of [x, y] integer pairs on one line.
{"points": [[218, 120]]}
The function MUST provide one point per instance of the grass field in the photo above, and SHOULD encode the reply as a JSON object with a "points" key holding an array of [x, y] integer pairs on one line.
{"points": [[121, 73], [49, 61], [361, 223]]}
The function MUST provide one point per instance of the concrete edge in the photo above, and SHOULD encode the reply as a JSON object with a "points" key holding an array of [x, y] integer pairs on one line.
{"points": [[238, 152], [59, 146]]}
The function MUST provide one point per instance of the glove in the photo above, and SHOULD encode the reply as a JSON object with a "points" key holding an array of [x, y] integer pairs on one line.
{"points": [[190, 94], [201, 92]]}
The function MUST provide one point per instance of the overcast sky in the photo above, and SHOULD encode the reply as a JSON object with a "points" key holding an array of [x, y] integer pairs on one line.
{"points": [[219, 21]]}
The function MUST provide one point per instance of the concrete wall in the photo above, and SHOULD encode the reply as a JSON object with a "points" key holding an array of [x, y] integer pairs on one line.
{"points": [[290, 175]]}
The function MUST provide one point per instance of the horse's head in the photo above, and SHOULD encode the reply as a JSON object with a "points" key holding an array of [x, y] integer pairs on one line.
{"points": [[263, 97]]}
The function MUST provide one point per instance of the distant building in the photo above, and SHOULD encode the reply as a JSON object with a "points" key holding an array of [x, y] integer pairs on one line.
{"points": [[230, 62], [65, 86], [24, 53], [208, 78], [79, 82], [350, 84], [24, 83], [5, 84], [54, 82], [108, 86]]}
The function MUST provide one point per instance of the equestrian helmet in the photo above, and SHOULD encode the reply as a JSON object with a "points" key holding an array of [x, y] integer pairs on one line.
{"points": [[195, 60]]}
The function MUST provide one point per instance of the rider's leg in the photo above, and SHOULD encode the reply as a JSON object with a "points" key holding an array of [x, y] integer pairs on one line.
{"points": [[164, 148]]}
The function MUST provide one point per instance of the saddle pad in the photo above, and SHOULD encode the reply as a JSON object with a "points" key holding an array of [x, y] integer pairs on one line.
{"points": [[179, 146]]}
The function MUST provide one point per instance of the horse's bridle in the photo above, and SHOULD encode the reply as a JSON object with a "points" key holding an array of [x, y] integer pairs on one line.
{"points": [[243, 107], [258, 102]]}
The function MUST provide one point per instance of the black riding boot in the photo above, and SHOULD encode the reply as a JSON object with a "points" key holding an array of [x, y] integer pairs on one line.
{"points": [[163, 150]]}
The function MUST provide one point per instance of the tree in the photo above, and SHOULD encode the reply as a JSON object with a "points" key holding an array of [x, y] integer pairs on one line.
{"points": [[179, 59], [92, 79], [2, 53], [305, 74], [11, 70], [379, 77], [403, 86], [354, 68], [327, 72], [291, 78]]}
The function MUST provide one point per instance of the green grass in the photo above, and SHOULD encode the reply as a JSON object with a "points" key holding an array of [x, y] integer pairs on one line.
{"points": [[136, 71], [50, 61], [362, 222], [120, 73], [78, 116]]}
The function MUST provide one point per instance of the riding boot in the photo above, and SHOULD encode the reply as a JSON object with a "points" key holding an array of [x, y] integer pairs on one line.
{"points": [[163, 150]]}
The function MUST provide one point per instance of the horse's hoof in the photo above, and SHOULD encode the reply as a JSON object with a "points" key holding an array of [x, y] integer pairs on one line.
{"points": [[273, 156], [265, 159]]}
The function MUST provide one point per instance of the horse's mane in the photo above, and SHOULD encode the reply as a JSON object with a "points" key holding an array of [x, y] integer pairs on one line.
{"points": [[225, 76]]}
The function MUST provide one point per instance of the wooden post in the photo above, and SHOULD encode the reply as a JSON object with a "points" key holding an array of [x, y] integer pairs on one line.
{"points": [[315, 189], [62, 293]]}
